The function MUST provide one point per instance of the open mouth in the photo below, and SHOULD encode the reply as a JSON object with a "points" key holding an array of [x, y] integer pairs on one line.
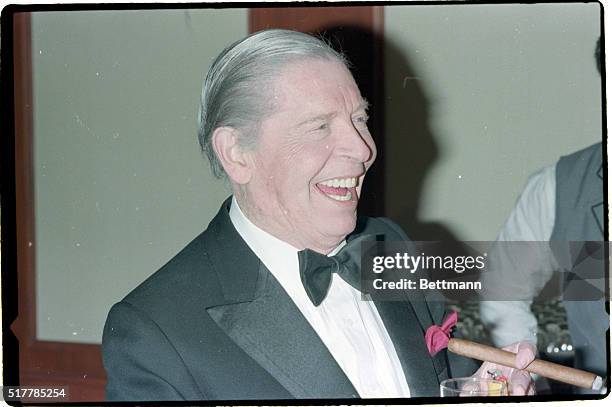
{"points": [[339, 189]]}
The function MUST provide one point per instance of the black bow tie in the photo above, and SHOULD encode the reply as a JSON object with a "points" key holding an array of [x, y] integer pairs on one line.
{"points": [[316, 269]]}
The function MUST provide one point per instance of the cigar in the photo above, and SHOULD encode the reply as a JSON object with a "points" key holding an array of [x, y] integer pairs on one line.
{"points": [[540, 367]]}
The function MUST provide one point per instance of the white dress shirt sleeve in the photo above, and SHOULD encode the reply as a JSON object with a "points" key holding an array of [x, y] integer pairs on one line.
{"points": [[532, 219]]}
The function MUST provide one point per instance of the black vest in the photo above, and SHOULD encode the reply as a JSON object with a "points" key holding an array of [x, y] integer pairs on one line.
{"points": [[579, 217]]}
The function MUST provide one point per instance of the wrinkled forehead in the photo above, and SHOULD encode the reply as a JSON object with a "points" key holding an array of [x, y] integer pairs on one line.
{"points": [[315, 85]]}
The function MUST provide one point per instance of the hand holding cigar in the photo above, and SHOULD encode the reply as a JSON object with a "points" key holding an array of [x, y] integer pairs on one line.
{"points": [[540, 367], [438, 338]]}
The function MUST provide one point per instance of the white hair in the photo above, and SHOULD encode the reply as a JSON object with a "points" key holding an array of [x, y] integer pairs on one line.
{"points": [[235, 92]]}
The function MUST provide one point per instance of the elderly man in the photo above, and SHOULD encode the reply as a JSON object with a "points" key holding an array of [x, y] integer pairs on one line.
{"points": [[238, 313]]}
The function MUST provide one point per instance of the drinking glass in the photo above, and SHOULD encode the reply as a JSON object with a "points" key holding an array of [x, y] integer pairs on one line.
{"points": [[472, 387]]}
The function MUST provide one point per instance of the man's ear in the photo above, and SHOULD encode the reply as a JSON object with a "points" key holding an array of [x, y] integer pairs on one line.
{"points": [[233, 158]]}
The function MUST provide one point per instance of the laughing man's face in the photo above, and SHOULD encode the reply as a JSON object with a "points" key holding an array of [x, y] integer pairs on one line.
{"points": [[311, 157]]}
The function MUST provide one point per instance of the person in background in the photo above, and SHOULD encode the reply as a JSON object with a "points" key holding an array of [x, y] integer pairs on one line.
{"points": [[561, 202]]}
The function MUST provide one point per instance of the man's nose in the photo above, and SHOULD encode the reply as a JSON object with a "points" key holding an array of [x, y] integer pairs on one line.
{"points": [[357, 145]]}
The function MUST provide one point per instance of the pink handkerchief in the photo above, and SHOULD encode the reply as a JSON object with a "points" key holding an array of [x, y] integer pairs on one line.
{"points": [[436, 337]]}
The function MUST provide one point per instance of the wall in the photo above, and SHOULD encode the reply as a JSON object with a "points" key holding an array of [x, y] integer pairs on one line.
{"points": [[120, 183], [478, 98]]}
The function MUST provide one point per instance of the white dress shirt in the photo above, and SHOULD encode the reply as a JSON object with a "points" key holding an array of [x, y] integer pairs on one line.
{"points": [[350, 328], [532, 219]]}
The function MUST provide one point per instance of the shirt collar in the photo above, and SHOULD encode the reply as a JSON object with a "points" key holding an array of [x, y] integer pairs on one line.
{"points": [[249, 231], [278, 256], [254, 233]]}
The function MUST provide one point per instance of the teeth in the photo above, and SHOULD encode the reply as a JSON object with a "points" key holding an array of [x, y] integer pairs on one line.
{"points": [[345, 197], [341, 183]]}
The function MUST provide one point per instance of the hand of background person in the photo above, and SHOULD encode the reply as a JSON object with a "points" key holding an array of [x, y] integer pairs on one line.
{"points": [[519, 381]]}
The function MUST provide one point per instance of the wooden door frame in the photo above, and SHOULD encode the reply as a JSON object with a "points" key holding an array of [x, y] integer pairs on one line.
{"points": [[41, 363]]}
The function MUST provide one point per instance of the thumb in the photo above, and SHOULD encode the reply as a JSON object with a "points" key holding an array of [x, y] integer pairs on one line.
{"points": [[519, 383]]}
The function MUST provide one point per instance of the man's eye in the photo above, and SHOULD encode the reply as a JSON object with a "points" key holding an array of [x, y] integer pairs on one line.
{"points": [[322, 126]]}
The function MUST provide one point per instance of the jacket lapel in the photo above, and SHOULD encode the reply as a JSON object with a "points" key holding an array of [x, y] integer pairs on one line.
{"points": [[404, 323], [263, 321], [259, 316]]}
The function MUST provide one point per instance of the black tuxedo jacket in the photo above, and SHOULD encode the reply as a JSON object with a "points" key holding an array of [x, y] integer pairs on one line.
{"points": [[214, 324]]}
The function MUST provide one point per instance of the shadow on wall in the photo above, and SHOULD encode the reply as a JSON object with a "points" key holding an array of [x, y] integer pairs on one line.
{"points": [[407, 149]]}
